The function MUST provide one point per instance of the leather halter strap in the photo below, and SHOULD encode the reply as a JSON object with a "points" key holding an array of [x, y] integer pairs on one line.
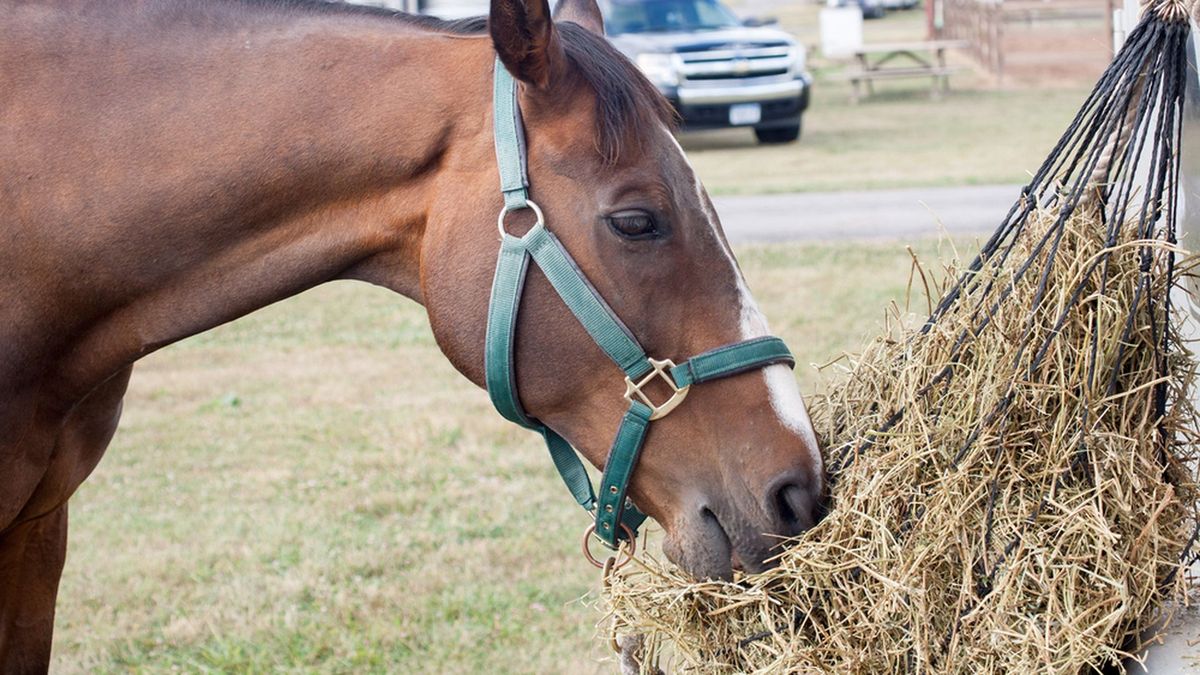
{"points": [[616, 517]]}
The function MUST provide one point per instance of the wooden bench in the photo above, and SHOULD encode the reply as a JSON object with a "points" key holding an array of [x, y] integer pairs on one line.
{"points": [[916, 59], [858, 78]]}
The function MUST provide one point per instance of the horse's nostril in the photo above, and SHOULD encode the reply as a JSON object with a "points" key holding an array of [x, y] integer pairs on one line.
{"points": [[795, 508]]}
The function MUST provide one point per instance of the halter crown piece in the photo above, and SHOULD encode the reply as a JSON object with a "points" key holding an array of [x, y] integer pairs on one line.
{"points": [[616, 518]]}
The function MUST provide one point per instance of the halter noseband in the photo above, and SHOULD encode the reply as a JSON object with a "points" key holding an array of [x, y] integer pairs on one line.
{"points": [[616, 517]]}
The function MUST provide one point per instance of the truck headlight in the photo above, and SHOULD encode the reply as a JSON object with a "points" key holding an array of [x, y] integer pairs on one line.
{"points": [[659, 68]]}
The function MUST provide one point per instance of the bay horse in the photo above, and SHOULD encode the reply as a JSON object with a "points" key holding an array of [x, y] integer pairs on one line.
{"points": [[167, 166]]}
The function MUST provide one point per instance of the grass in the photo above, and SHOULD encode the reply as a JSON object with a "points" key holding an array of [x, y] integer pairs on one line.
{"points": [[977, 135], [314, 489], [898, 139]]}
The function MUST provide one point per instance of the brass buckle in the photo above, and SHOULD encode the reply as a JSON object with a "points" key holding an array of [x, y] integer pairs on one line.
{"points": [[661, 369]]}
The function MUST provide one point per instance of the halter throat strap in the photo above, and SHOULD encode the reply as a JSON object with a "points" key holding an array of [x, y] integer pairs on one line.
{"points": [[616, 517]]}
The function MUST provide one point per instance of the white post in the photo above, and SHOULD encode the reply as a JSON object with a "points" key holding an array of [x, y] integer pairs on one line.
{"points": [[1124, 19], [841, 31]]}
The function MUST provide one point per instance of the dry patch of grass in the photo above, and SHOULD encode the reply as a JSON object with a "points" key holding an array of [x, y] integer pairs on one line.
{"points": [[313, 488]]}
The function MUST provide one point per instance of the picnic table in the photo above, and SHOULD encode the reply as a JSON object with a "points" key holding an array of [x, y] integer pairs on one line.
{"points": [[897, 60]]}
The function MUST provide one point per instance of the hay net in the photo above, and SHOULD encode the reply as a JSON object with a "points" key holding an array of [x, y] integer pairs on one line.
{"points": [[1013, 480]]}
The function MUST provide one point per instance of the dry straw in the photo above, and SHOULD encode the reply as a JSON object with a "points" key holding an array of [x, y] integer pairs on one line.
{"points": [[1014, 480]]}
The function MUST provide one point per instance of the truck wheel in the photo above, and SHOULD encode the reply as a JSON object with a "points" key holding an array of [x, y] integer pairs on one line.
{"points": [[786, 134]]}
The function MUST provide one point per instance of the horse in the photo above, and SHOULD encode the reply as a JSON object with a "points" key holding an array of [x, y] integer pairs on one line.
{"points": [[167, 166]]}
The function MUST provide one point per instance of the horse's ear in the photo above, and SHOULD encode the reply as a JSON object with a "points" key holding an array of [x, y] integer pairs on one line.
{"points": [[524, 37], [586, 13]]}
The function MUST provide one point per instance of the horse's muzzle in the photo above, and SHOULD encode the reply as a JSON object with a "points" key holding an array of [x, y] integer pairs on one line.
{"points": [[717, 537]]}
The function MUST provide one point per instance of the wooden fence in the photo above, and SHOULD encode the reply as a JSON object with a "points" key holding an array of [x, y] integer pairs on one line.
{"points": [[1043, 39]]}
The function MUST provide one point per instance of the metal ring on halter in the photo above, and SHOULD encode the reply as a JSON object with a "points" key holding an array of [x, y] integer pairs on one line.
{"points": [[537, 211], [627, 550]]}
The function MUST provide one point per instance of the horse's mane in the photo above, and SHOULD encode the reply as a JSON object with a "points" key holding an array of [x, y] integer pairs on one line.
{"points": [[625, 99]]}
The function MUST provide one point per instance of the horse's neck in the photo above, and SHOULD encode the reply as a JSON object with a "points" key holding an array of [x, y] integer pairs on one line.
{"points": [[218, 174]]}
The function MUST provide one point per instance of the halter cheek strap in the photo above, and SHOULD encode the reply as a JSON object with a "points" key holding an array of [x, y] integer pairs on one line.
{"points": [[616, 518]]}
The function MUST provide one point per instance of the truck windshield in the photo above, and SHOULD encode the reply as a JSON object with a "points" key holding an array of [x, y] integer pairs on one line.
{"points": [[666, 16]]}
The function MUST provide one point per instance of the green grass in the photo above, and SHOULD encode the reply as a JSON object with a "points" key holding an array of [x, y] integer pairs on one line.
{"points": [[314, 489], [898, 139], [977, 135]]}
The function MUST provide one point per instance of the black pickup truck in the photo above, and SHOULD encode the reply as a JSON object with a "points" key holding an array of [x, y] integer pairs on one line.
{"points": [[717, 70]]}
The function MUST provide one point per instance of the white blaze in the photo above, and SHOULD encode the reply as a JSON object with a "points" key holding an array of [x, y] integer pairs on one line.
{"points": [[782, 390]]}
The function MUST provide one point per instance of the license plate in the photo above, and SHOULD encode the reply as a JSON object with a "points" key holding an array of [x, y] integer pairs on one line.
{"points": [[745, 113]]}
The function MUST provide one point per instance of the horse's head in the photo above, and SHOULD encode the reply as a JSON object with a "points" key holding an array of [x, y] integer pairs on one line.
{"points": [[736, 466]]}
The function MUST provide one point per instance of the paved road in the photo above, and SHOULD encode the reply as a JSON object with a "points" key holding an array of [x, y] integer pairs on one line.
{"points": [[877, 214], [1179, 654]]}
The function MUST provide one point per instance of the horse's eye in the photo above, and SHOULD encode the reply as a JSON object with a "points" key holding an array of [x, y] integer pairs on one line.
{"points": [[633, 224]]}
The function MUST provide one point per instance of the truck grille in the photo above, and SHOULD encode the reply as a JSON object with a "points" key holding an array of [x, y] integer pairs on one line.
{"points": [[733, 62]]}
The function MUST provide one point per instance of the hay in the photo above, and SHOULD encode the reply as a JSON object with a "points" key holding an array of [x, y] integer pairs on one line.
{"points": [[969, 537], [1014, 481]]}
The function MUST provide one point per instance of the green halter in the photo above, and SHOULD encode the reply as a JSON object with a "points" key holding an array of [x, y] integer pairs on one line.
{"points": [[617, 518]]}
